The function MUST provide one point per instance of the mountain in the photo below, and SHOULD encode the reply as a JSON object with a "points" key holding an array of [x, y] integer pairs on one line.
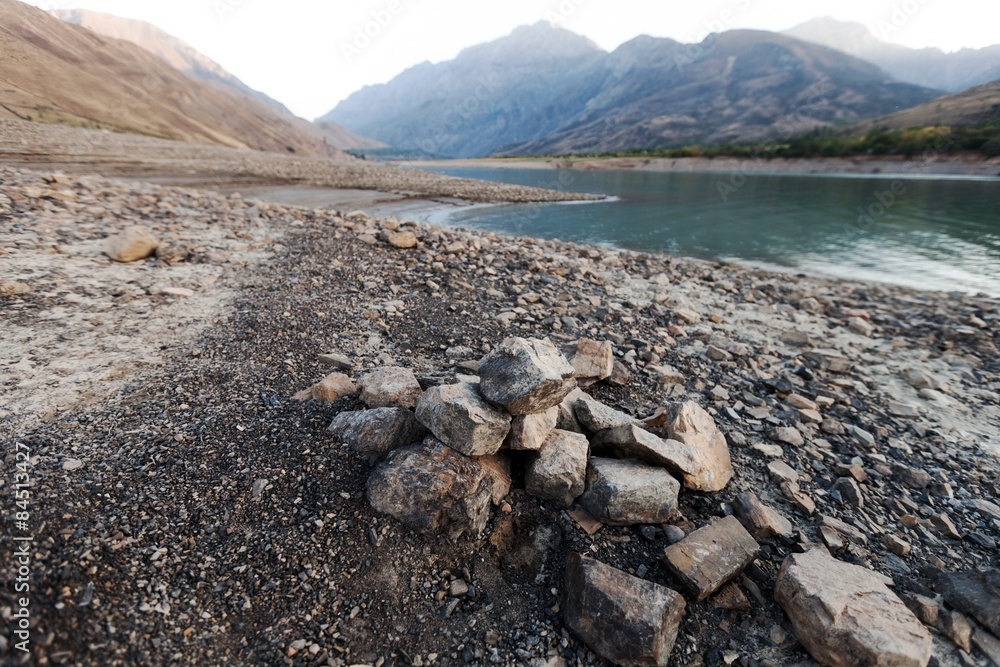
{"points": [[980, 104], [59, 73], [184, 58], [928, 67], [514, 89], [545, 90]]}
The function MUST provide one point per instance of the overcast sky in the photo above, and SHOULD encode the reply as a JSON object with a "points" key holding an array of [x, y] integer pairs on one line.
{"points": [[304, 52]]}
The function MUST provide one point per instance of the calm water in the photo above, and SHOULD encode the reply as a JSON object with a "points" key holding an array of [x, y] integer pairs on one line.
{"points": [[939, 234]]}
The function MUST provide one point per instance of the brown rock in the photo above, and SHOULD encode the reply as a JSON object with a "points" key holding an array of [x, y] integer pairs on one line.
{"points": [[789, 435], [711, 556], [333, 387], [621, 376], [797, 497], [595, 416], [958, 630], [924, 608], [592, 362], [624, 619], [689, 424], [845, 615], [498, 469], [633, 441], [390, 387], [731, 597], [760, 519], [131, 245], [528, 432], [403, 240], [782, 472]]}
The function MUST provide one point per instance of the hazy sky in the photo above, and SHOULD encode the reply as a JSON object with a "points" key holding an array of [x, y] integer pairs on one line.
{"points": [[304, 52]]}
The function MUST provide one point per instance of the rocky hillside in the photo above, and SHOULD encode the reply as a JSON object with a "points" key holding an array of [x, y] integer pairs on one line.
{"points": [[929, 67], [969, 107], [185, 58], [54, 72], [547, 90]]}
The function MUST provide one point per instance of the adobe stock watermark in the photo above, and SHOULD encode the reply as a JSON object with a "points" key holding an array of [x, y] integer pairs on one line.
{"points": [[223, 8], [817, 94], [883, 200], [482, 97], [721, 22], [563, 11], [365, 34], [899, 16]]}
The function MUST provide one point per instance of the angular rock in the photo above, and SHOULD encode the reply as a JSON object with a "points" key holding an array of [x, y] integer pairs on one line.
{"points": [[333, 387], [390, 387], [403, 240], [799, 498], [595, 416], [711, 556], [975, 593], [431, 488], [689, 424], [788, 435], [131, 245], [624, 493], [459, 417], [760, 519], [526, 376], [850, 492], [782, 472], [375, 433], [559, 471], [621, 376], [633, 441], [624, 619], [845, 615], [498, 470], [958, 630], [567, 420], [528, 432], [829, 360], [592, 362], [336, 360]]}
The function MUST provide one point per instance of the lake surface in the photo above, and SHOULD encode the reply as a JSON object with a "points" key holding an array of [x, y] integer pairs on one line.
{"points": [[940, 233]]}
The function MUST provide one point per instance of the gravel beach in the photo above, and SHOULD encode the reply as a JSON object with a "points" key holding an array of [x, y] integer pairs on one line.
{"points": [[185, 509]]}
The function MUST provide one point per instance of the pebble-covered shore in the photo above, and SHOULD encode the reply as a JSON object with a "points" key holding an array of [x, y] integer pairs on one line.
{"points": [[187, 510], [89, 151]]}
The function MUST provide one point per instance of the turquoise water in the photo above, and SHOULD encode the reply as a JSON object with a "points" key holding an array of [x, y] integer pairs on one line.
{"points": [[936, 233]]}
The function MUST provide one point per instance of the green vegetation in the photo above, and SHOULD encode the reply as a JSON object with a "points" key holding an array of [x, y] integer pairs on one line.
{"points": [[915, 142]]}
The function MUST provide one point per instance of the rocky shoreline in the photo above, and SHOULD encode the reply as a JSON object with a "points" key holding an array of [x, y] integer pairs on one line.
{"points": [[938, 166], [187, 508]]}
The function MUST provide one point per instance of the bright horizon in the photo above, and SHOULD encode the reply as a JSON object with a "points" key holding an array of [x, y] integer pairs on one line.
{"points": [[307, 58]]}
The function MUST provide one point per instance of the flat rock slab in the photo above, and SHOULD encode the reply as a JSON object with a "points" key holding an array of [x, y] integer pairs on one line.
{"points": [[760, 519], [624, 619], [690, 424], [390, 387], [711, 556], [975, 593], [431, 488], [131, 245], [596, 417], [559, 471], [634, 441], [459, 417], [526, 376], [845, 615], [375, 433], [623, 493]]}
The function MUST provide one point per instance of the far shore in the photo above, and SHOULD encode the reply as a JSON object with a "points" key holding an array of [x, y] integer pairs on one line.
{"points": [[940, 166]]}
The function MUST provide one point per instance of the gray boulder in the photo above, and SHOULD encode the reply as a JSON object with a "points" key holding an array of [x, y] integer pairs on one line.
{"points": [[375, 433], [558, 472], [526, 376], [628, 492], [459, 417]]}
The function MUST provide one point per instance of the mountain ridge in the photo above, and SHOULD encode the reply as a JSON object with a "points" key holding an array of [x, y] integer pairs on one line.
{"points": [[575, 97]]}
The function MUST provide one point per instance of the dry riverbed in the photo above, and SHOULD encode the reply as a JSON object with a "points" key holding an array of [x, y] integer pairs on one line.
{"points": [[186, 510]]}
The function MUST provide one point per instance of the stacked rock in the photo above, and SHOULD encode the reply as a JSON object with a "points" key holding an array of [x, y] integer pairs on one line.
{"points": [[444, 454]]}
